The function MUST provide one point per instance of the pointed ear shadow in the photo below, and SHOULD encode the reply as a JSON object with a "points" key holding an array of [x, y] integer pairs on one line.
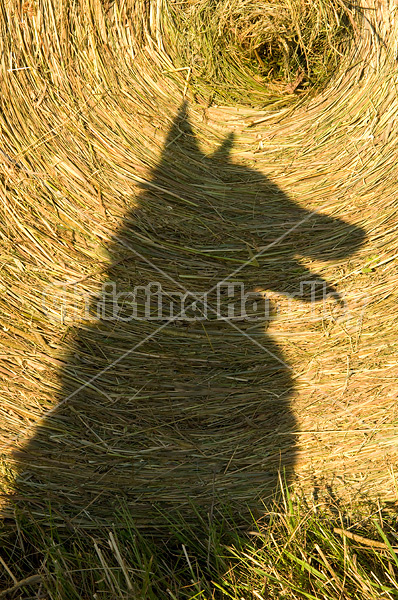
{"points": [[224, 149], [181, 127]]}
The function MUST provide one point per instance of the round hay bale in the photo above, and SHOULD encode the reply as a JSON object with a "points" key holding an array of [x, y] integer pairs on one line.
{"points": [[198, 246]]}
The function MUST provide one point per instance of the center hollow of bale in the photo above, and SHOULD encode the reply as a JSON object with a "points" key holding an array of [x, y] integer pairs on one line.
{"points": [[250, 52]]}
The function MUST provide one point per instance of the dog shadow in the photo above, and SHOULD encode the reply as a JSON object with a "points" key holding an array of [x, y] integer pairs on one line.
{"points": [[175, 397]]}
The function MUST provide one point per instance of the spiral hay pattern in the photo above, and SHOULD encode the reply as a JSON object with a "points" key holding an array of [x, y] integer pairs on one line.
{"points": [[117, 154]]}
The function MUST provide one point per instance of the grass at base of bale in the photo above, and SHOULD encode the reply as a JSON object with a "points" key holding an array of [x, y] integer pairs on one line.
{"points": [[296, 550]]}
